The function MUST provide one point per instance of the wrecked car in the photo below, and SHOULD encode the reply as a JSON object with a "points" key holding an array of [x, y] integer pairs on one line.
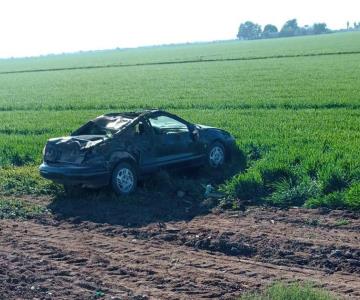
{"points": [[119, 148]]}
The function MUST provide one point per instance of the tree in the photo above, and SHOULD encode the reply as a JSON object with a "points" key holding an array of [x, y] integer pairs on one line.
{"points": [[290, 28], [249, 31], [304, 30], [269, 31], [319, 28]]}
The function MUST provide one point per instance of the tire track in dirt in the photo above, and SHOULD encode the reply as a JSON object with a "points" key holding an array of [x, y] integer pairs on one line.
{"points": [[61, 260], [259, 236]]}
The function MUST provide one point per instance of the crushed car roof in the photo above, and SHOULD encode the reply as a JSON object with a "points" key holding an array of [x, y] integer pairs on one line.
{"points": [[132, 114]]}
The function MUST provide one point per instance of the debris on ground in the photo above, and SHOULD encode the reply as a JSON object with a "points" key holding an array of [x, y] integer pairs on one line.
{"points": [[211, 192]]}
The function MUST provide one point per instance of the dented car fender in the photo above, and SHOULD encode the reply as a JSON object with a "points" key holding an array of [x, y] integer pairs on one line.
{"points": [[119, 156]]}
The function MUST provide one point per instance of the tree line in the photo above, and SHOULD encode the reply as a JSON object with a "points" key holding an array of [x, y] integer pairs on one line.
{"points": [[253, 31]]}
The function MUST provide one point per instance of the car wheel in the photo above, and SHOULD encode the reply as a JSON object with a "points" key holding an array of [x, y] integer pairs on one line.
{"points": [[124, 179], [216, 155]]}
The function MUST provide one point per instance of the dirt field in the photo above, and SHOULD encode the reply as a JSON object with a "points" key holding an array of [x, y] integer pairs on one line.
{"points": [[71, 254]]}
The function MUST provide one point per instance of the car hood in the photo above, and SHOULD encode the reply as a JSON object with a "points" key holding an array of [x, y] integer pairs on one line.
{"points": [[200, 126], [209, 128], [213, 132], [70, 149]]}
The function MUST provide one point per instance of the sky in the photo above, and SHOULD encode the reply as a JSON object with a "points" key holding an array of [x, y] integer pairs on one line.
{"points": [[40, 27]]}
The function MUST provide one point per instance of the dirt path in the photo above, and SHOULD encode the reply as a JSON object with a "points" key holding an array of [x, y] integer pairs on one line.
{"points": [[216, 256]]}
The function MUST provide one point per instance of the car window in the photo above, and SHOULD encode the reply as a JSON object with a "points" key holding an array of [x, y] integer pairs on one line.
{"points": [[166, 125]]}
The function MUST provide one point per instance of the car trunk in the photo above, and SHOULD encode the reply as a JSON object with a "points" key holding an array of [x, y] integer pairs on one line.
{"points": [[70, 149]]}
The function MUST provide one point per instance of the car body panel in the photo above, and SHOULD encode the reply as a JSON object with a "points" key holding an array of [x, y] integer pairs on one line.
{"points": [[89, 159]]}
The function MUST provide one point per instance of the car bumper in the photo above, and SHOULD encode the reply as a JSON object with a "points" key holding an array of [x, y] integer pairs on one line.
{"points": [[74, 175]]}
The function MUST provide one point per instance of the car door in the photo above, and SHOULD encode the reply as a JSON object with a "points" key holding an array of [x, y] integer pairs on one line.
{"points": [[137, 140], [143, 143], [173, 141]]}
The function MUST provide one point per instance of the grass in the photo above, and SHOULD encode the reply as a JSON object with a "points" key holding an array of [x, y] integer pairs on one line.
{"points": [[25, 181], [296, 118], [294, 291], [19, 209], [342, 222]]}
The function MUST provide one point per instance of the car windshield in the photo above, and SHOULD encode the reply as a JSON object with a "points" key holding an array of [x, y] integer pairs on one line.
{"points": [[103, 126]]}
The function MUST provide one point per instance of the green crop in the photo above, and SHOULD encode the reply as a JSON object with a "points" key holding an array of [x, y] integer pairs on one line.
{"points": [[297, 46], [292, 104], [291, 291]]}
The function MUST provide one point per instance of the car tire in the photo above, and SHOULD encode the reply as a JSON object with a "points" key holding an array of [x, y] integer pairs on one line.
{"points": [[216, 155], [124, 179]]}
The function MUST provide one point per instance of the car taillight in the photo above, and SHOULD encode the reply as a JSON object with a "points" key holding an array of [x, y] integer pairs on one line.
{"points": [[50, 154]]}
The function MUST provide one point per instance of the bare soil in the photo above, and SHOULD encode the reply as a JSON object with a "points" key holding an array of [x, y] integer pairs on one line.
{"points": [[87, 250]]}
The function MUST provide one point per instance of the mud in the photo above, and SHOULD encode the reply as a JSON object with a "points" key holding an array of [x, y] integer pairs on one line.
{"points": [[175, 252]]}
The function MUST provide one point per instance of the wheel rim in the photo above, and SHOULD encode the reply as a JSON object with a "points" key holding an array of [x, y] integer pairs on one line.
{"points": [[216, 156], [125, 180]]}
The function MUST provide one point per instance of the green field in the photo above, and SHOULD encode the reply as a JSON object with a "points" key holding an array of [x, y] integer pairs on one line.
{"points": [[293, 104], [334, 43]]}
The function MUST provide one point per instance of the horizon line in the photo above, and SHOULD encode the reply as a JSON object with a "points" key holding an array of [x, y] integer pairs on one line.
{"points": [[118, 48]]}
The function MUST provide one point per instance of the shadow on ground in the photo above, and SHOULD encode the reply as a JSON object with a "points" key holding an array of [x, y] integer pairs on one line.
{"points": [[137, 210], [165, 196]]}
